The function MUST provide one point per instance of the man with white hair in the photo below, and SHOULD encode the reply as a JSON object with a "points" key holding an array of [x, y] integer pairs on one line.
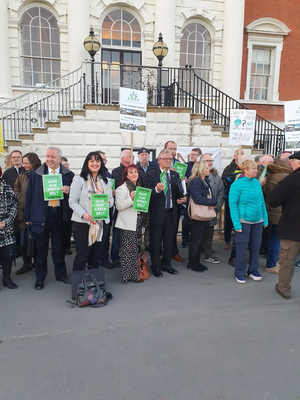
{"points": [[287, 195], [117, 173], [46, 217]]}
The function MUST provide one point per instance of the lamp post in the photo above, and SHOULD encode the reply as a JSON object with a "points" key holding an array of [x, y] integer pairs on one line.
{"points": [[160, 50], [92, 46]]}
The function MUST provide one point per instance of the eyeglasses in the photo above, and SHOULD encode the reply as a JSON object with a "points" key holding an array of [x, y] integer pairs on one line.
{"points": [[167, 159]]}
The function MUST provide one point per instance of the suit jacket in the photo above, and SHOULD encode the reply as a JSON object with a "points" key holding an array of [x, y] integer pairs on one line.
{"points": [[11, 175], [117, 174], [158, 200], [142, 173]]}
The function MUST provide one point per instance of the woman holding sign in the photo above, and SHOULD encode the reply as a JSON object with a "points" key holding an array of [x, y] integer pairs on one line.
{"points": [[129, 222], [90, 199]]}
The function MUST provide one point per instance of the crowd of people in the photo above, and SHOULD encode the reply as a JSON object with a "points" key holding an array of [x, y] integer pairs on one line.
{"points": [[260, 197]]}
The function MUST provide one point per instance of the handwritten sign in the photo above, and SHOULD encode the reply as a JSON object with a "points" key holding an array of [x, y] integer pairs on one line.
{"points": [[242, 126], [99, 206], [51, 186], [141, 199]]}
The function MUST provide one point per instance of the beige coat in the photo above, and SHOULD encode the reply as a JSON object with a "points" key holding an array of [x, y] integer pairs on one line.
{"points": [[127, 217]]}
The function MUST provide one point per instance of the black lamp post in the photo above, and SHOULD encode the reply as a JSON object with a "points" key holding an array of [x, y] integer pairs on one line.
{"points": [[92, 46], [160, 50]]}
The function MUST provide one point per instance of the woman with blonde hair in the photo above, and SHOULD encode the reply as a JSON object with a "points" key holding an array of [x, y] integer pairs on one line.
{"points": [[200, 191], [249, 216]]}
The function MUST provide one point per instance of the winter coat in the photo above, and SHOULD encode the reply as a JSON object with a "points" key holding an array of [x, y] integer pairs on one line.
{"points": [[11, 174], [217, 188], [246, 201], [118, 174], [20, 192], [127, 217], [277, 172], [198, 191], [36, 207], [229, 170], [8, 211], [287, 195]]}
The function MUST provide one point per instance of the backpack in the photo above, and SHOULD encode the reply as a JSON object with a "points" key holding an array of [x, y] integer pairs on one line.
{"points": [[91, 292]]}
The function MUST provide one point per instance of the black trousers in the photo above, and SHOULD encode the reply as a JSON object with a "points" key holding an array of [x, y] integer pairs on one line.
{"points": [[67, 233], [6, 257], [53, 229], [162, 233], [228, 225], [197, 237], [86, 254]]}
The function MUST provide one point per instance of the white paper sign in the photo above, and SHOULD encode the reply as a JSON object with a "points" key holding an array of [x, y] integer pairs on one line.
{"points": [[133, 108], [242, 125], [292, 125]]}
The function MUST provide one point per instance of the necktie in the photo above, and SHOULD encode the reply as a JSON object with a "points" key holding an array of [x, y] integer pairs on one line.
{"points": [[53, 203], [168, 194]]}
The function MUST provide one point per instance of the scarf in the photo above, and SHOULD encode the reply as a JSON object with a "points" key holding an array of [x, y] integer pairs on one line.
{"points": [[131, 186], [96, 227]]}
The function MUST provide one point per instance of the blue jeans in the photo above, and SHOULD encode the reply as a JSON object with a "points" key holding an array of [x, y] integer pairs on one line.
{"points": [[251, 233], [274, 247]]}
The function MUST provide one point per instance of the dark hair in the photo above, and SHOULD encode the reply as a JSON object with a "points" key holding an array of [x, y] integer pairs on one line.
{"points": [[16, 151], [126, 172], [169, 141], [33, 159], [85, 172], [64, 159], [198, 150]]}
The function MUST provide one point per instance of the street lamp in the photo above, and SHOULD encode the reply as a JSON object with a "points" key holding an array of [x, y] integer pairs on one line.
{"points": [[92, 46], [160, 50]]}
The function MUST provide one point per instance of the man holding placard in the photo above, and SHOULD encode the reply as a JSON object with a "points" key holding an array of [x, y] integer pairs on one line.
{"points": [[166, 194], [45, 210]]}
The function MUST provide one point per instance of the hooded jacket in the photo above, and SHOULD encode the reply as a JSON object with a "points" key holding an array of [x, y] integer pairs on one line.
{"points": [[277, 172]]}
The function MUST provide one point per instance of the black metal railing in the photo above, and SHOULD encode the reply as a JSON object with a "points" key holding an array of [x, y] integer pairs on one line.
{"points": [[171, 87]]}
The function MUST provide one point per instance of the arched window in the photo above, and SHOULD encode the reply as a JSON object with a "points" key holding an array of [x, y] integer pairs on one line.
{"points": [[195, 48], [40, 47]]}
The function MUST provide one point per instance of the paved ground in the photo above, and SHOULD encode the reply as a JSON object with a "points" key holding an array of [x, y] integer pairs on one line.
{"points": [[191, 336]]}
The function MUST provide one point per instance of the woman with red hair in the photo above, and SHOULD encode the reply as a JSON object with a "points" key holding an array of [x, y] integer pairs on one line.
{"points": [[130, 223]]}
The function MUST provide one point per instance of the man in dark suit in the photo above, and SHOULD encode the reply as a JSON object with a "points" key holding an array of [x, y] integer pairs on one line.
{"points": [[163, 212], [46, 217], [11, 174], [143, 168]]}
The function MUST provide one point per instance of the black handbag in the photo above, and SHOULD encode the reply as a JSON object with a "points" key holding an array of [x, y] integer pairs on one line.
{"points": [[29, 240], [76, 278]]}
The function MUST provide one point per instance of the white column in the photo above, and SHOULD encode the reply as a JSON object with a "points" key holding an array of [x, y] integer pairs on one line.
{"points": [[78, 30], [232, 47], [165, 23], [5, 70]]}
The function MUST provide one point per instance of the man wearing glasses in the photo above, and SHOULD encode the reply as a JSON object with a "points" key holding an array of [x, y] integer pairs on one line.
{"points": [[11, 174], [163, 213]]}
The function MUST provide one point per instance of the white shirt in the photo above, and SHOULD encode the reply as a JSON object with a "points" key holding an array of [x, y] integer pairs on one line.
{"points": [[57, 172]]}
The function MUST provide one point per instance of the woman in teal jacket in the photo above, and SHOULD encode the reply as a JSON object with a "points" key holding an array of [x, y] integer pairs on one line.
{"points": [[249, 216]]}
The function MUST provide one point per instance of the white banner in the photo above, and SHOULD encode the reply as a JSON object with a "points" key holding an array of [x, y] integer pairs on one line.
{"points": [[292, 125], [133, 108], [242, 125]]}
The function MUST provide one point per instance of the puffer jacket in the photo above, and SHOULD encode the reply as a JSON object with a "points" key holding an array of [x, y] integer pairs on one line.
{"points": [[277, 172], [217, 188], [246, 201]]}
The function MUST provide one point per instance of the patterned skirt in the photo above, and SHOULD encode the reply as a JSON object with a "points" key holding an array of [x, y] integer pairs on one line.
{"points": [[129, 252]]}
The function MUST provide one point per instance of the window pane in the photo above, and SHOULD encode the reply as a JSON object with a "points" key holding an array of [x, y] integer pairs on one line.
{"points": [[127, 16], [199, 62], [260, 55], [106, 56], [182, 59], [115, 15], [267, 55], [126, 27], [199, 48], [127, 58], [106, 37], [135, 26], [266, 68], [253, 68], [26, 18], [35, 49], [44, 23], [26, 64], [26, 48], [126, 39], [117, 26], [35, 34], [45, 35], [107, 23], [183, 46], [46, 50], [116, 36], [36, 65], [27, 79], [35, 21], [191, 47], [25, 32], [136, 40], [55, 66], [52, 21], [54, 36], [259, 68], [191, 60], [45, 13], [206, 62], [55, 51], [115, 56], [33, 12], [46, 65], [136, 59]]}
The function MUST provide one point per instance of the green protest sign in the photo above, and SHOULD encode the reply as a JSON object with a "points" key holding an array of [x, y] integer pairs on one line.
{"points": [[99, 206], [141, 199], [263, 174], [112, 183], [163, 179], [51, 185], [180, 168]]}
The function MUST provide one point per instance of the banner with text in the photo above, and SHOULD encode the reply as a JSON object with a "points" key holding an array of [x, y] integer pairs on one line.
{"points": [[52, 185], [133, 108]]}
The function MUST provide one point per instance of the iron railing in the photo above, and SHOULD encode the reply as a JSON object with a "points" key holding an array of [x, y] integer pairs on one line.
{"points": [[173, 87]]}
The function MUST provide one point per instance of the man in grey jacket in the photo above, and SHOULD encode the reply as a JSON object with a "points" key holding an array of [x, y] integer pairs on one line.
{"points": [[218, 193]]}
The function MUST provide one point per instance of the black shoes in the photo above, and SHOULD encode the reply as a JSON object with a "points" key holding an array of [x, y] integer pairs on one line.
{"points": [[39, 285], [7, 282], [157, 273], [197, 267], [116, 264], [25, 268], [170, 270], [64, 280], [107, 264], [68, 252]]}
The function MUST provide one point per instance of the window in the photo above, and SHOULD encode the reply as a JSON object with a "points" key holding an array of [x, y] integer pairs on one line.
{"points": [[40, 47], [121, 28], [265, 42], [195, 48]]}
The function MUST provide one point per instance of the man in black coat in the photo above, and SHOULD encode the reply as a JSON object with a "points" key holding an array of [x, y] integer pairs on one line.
{"points": [[163, 212], [46, 217], [143, 164], [287, 195], [11, 174]]}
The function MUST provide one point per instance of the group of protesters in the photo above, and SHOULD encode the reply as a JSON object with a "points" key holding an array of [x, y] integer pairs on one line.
{"points": [[261, 204]]}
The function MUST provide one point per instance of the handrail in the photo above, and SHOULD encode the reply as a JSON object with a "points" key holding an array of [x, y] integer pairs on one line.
{"points": [[175, 87]]}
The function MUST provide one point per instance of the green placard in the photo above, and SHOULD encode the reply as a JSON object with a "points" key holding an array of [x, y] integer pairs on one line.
{"points": [[180, 168], [263, 174], [112, 183], [52, 184], [163, 179], [141, 199], [99, 206]]}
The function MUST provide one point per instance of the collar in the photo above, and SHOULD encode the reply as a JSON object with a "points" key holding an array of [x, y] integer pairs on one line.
{"points": [[57, 170]]}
